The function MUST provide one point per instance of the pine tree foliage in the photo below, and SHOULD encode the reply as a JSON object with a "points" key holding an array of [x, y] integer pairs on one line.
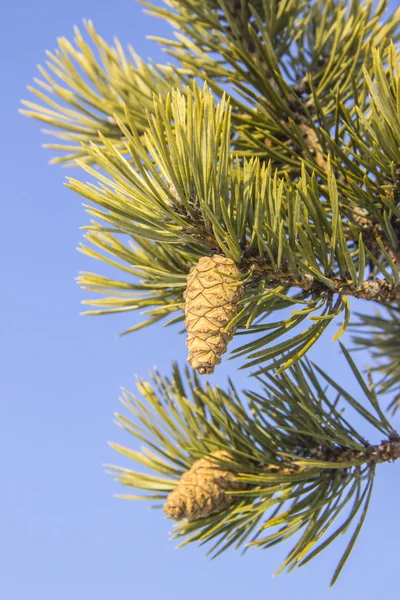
{"points": [[188, 193], [380, 335], [84, 86], [271, 143], [304, 468]]}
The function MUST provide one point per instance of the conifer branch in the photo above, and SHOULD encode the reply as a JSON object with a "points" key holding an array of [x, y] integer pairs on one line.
{"points": [[79, 94], [379, 290], [253, 472], [275, 186], [290, 234]]}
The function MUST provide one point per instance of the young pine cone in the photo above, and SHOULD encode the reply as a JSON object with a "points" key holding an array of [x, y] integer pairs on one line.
{"points": [[211, 302], [201, 491]]}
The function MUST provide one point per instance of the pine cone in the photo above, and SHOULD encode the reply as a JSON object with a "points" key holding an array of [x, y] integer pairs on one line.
{"points": [[211, 302], [202, 490]]}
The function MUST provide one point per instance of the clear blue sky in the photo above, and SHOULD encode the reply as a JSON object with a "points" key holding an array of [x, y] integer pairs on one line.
{"points": [[63, 534]]}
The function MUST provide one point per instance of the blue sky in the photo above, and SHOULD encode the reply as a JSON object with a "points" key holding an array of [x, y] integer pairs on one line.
{"points": [[63, 534]]}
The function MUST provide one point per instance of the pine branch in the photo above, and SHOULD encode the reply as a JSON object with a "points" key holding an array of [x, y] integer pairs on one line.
{"points": [[224, 209], [183, 189], [301, 85], [281, 462], [84, 87], [379, 290]]}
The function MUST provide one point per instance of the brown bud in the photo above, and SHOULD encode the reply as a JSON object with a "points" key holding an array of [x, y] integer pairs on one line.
{"points": [[202, 490], [211, 302], [312, 141]]}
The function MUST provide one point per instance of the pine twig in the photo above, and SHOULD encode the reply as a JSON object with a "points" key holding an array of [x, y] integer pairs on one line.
{"points": [[379, 290]]}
